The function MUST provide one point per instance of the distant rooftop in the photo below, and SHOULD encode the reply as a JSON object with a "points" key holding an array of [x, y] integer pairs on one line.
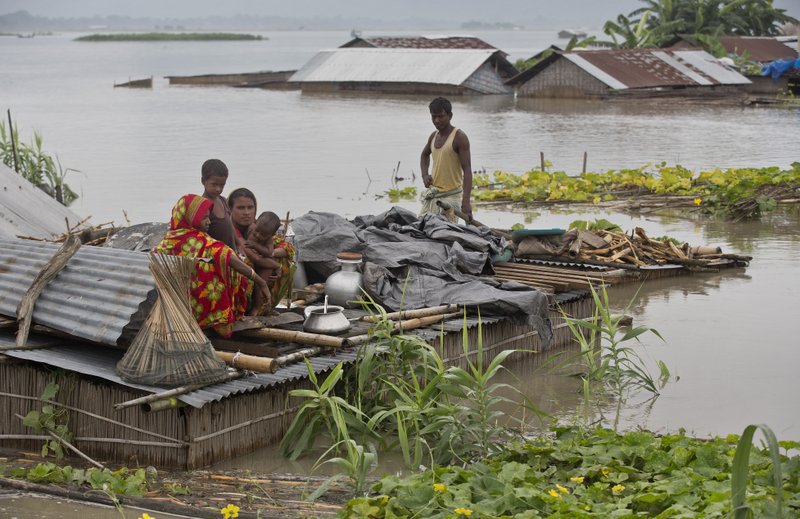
{"points": [[419, 42]]}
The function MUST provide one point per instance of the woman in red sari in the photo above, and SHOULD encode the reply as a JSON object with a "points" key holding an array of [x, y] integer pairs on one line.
{"points": [[221, 287]]}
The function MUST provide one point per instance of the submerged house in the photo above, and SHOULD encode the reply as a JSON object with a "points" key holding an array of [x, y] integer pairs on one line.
{"points": [[762, 50], [434, 71], [418, 42], [629, 73]]}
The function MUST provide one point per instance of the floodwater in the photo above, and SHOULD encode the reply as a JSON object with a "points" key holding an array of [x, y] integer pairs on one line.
{"points": [[729, 336]]}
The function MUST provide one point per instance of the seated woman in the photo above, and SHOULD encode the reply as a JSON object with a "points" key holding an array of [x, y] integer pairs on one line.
{"points": [[272, 256], [220, 287]]}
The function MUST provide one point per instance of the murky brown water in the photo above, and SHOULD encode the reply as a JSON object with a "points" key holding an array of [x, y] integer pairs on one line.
{"points": [[29, 506], [729, 336]]}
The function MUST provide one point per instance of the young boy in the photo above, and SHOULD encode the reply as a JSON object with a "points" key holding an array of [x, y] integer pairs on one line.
{"points": [[272, 258], [214, 174]]}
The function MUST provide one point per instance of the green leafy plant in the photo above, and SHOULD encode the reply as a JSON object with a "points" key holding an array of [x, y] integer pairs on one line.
{"points": [[396, 194], [40, 169], [119, 482], [51, 419], [600, 224], [594, 472]]}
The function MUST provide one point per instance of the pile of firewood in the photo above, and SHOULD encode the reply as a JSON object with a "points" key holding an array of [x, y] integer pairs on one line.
{"points": [[616, 248]]}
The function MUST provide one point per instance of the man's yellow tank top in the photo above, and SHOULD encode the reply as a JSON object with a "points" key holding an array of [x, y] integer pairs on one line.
{"points": [[446, 170]]}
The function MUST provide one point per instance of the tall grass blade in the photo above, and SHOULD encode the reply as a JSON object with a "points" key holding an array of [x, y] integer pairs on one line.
{"points": [[741, 468]]}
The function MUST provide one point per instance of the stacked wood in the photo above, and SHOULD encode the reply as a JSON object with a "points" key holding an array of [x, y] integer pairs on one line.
{"points": [[556, 279], [636, 250]]}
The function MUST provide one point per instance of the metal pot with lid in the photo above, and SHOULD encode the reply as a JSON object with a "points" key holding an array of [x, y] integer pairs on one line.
{"points": [[344, 287]]}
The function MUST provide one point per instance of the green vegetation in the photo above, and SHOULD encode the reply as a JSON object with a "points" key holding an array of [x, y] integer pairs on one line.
{"points": [[36, 166], [51, 419], [399, 395], [703, 20], [396, 194], [120, 482], [171, 36], [577, 472], [735, 192], [573, 43]]}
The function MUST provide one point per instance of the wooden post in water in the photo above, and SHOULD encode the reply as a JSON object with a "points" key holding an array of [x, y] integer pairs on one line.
{"points": [[13, 144], [585, 155], [541, 158]]}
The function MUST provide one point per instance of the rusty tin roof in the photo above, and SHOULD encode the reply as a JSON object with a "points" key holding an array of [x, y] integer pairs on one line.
{"points": [[421, 42], [757, 48]]}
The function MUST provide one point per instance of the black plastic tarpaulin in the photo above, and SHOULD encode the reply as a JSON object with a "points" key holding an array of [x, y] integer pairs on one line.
{"points": [[415, 263]]}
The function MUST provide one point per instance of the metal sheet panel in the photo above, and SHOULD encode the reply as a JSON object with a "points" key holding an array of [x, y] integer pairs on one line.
{"points": [[102, 362], [436, 66], [596, 72], [762, 49], [711, 67], [25, 210], [422, 42], [686, 71], [94, 297]]}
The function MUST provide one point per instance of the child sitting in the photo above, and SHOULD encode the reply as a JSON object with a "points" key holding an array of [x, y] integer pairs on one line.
{"points": [[272, 258]]}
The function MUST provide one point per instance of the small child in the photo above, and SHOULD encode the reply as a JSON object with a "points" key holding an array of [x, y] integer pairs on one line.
{"points": [[272, 258], [214, 174]]}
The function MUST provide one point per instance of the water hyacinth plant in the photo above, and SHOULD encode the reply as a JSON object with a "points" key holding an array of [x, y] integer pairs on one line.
{"points": [[579, 472], [734, 192]]}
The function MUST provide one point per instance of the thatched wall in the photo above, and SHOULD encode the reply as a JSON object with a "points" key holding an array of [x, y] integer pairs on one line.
{"points": [[188, 437]]}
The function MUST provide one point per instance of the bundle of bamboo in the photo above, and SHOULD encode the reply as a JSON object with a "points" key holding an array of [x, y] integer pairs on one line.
{"points": [[171, 349], [621, 250]]}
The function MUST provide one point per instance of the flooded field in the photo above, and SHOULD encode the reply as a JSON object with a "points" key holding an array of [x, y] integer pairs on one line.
{"points": [[729, 336]]}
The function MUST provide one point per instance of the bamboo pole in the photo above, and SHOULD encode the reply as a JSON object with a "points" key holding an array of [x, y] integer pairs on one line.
{"points": [[68, 445], [248, 362], [172, 392], [410, 324], [413, 314], [50, 270], [313, 339], [297, 355]]}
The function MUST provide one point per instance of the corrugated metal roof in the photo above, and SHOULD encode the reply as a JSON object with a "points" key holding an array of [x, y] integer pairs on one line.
{"points": [[97, 294], [761, 49], [422, 42], [595, 71], [102, 362], [436, 66], [711, 67], [25, 210], [649, 68]]}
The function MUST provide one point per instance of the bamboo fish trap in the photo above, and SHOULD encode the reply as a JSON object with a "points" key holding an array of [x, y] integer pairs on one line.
{"points": [[171, 349]]}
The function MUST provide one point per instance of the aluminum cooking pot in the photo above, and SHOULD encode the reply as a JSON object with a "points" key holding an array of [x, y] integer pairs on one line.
{"points": [[320, 321]]}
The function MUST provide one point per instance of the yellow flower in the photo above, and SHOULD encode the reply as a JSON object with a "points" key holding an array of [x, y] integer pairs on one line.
{"points": [[577, 479], [463, 511], [230, 512], [439, 487], [554, 493], [617, 489], [698, 201], [561, 489], [604, 472], [146, 516]]}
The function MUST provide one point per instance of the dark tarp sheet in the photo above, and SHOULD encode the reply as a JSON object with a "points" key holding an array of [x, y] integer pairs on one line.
{"points": [[416, 263]]}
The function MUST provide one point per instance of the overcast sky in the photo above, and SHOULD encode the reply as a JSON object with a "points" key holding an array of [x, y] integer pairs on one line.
{"points": [[582, 13]]}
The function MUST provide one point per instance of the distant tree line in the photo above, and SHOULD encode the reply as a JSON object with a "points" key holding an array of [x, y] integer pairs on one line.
{"points": [[702, 21]]}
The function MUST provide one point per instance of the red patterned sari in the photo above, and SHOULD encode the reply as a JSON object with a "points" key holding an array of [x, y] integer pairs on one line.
{"points": [[219, 294]]}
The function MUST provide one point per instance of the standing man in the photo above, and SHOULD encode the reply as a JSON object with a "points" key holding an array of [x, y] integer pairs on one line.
{"points": [[451, 177]]}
